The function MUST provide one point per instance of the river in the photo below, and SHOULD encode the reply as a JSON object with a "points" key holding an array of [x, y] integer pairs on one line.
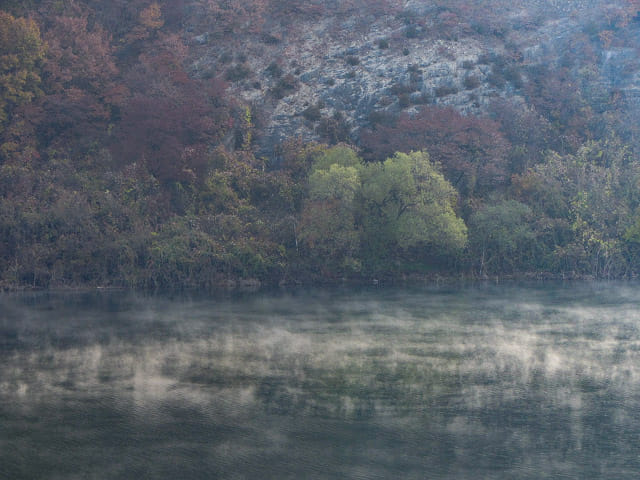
{"points": [[456, 382]]}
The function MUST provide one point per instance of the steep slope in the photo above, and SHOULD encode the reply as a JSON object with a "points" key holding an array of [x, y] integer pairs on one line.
{"points": [[330, 76]]}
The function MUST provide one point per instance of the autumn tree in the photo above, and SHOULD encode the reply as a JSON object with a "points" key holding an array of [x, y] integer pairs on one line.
{"points": [[22, 52], [81, 78], [149, 21], [170, 119], [125, 20], [236, 16], [555, 95], [529, 134], [471, 150]]}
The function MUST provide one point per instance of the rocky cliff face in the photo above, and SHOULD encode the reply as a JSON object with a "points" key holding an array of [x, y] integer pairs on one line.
{"points": [[336, 74]]}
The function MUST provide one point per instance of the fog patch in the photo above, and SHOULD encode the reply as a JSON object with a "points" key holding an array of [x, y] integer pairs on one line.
{"points": [[513, 370]]}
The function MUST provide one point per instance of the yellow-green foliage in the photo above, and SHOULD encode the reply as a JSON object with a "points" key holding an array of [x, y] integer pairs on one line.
{"points": [[376, 212], [21, 54], [339, 155], [336, 183], [408, 203]]}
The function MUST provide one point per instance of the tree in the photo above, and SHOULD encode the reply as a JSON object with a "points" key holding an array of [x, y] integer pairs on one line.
{"points": [[526, 130], [501, 237], [170, 120], [341, 155], [21, 55], [407, 208], [557, 97], [327, 227], [586, 203], [471, 150], [233, 17], [149, 20], [81, 81]]}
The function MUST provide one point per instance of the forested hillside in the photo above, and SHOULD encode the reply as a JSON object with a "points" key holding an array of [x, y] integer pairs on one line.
{"points": [[181, 143]]}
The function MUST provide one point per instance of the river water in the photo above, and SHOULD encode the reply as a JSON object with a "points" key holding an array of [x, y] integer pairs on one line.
{"points": [[485, 381]]}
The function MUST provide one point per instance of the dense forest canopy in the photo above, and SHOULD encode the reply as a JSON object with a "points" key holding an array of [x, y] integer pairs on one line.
{"points": [[178, 143]]}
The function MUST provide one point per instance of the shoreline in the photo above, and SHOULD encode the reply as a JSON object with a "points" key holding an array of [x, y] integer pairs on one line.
{"points": [[254, 284]]}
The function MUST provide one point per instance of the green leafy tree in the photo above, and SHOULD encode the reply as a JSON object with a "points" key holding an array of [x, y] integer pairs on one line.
{"points": [[585, 204], [327, 228], [501, 237], [407, 209], [339, 155]]}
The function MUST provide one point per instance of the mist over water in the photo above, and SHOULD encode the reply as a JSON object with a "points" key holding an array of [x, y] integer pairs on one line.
{"points": [[474, 382]]}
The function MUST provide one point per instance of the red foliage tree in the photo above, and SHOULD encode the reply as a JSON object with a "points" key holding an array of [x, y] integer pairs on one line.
{"points": [[556, 96], [81, 80], [170, 119], [236, 16], [167, 137], [472, 150], [529, 133]]}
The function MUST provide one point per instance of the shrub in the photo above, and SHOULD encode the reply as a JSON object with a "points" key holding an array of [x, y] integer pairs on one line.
{"points": [[352, 60], [471, 82], [274, 70], [285, 86], [270, 39], [380, 117], [411, 32], [237, 72], [312, 113], [334, 129], [445, 90], [385, 101], [512, 74], [421, 98], [402, 88], [404, 100], [415, 77], [496, 79]]}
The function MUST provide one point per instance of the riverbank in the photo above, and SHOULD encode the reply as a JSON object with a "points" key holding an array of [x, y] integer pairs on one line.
{"points": [[254, 284]]}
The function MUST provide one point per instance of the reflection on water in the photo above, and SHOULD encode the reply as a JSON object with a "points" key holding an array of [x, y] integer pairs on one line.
{"points": [[476, 382]]}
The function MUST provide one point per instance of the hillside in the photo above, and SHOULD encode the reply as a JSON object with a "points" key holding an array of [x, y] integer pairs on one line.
{"points": [[204, 142], [302, 73]]}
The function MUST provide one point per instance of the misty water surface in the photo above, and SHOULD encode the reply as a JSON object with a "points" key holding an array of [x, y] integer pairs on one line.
{"points": [[492, 382]]}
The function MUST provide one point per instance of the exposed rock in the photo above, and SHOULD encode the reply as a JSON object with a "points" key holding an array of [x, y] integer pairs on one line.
{"points": [[337, 64]]}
